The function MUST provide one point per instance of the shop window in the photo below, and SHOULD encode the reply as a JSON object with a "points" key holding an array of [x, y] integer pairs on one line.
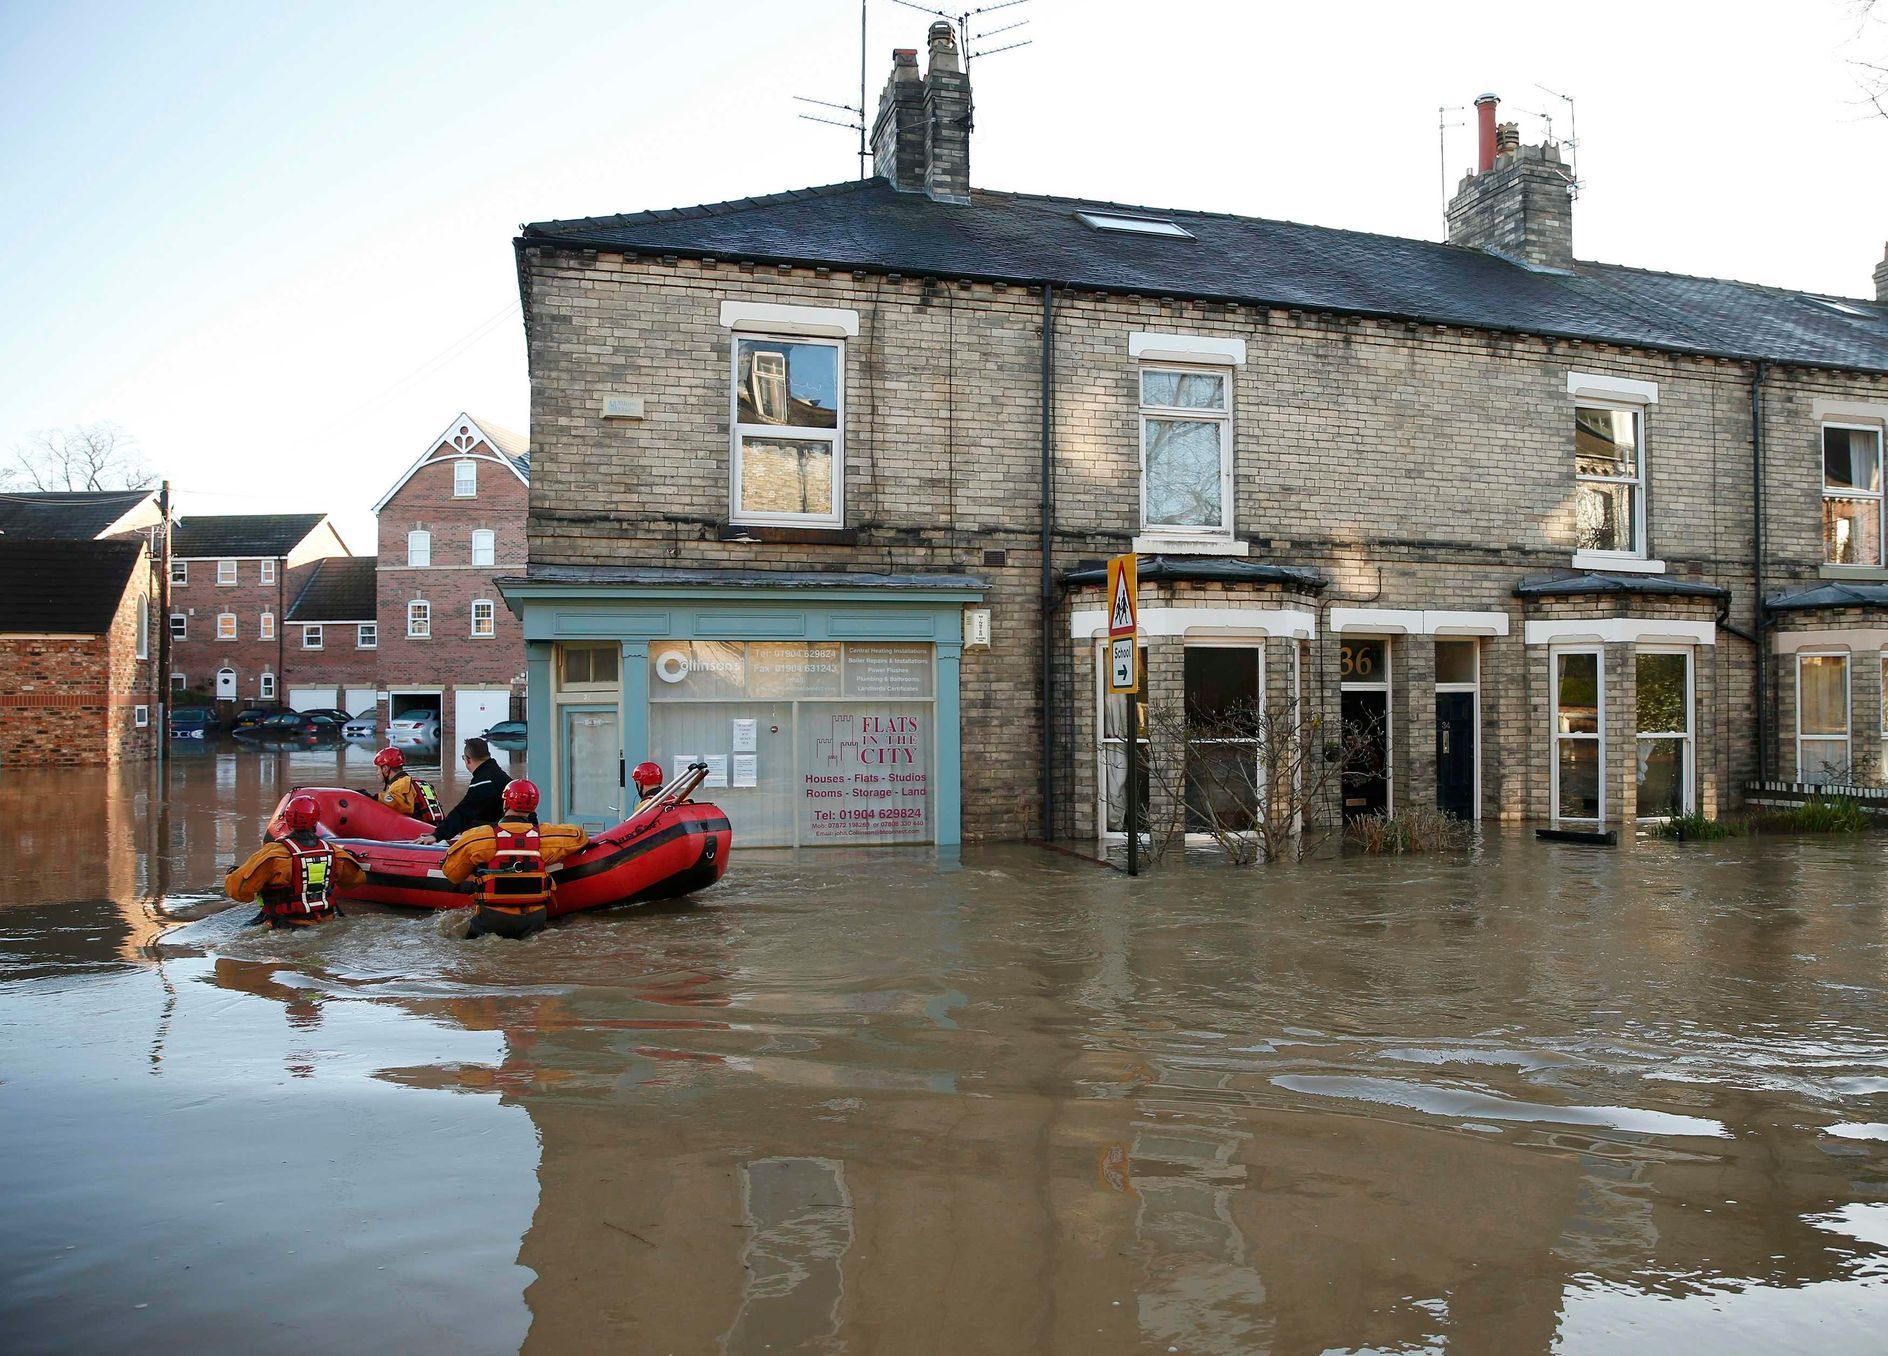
{"points": [[419, 549], [1822, 717], [587, 666], [788, 456], [484, 546], [484, 619], [266, 572], [1112, 749], [226, 626], [1609, 471], [1851, 495], [1662, 683], [1579, 735], [266, 626], [465, 479], [1224, 695], [1186, 451], [180, 572], [808, 743], [419, 620], [226, 572]]}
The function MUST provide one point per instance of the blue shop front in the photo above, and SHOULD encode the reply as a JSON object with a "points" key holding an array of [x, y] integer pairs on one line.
{"points": [[824, 704]]}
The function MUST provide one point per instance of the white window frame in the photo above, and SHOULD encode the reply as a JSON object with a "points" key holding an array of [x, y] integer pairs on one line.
{"points": [[1104, 741], [1553, 728], [235, 630], [1847, 738], [1854, 496], [265, 572], [180, 572], [1641, 548], [178, 683], [367, 635], [1209, 642], [1474, 689], [140, 716], [465, 478], [226, 573], [419, 619], [1688, 794], [1224, 417], [144, 628], [489, 539], [1387, 686], [836, 435], [491, 617], [265, 626], [180, 626], [265, 686], [419, 543], [312, 636]]}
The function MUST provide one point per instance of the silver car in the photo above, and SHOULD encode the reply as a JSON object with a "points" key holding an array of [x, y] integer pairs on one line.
{"points": [[365, 727], [414, 727]]}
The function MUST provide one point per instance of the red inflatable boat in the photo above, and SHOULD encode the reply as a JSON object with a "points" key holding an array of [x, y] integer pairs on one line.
{"points": [[673, 847]]}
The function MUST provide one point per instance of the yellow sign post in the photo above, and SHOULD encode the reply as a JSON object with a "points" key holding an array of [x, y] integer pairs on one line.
{"points": [[1124, 676]]}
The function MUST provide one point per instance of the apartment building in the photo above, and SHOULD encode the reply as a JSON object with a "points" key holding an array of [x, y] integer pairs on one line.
{"points": [[332, 646], [822, 483]]}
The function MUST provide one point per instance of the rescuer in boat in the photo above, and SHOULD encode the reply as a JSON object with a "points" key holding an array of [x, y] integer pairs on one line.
{"points": [[509, 862], [648, 779], [295, 876], [481, 803], [402, 791]]}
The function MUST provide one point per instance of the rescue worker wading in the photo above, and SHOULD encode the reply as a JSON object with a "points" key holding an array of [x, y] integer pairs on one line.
{"points": [[295, 877], [509, 861], [402, 791]]}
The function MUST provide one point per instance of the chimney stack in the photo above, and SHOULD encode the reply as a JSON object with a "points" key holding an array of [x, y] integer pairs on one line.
{"points": [[1519, 202], [921, 136], [1881, 279]]}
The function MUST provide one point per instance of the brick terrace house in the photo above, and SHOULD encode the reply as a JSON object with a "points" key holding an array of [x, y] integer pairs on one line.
{"points": [[232, 578], [77, 677], [452, 523], [1576, 541], [331, 649]]}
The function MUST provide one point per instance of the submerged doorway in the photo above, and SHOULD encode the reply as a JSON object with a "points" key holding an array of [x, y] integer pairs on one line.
{"points": [[1363, 666]]}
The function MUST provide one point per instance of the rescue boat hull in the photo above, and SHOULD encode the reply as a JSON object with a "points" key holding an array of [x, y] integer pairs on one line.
{"points": [[662, 855]]}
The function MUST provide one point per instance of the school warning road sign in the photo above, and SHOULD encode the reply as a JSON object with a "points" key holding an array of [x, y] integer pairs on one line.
{"points": [[1124, 654]]}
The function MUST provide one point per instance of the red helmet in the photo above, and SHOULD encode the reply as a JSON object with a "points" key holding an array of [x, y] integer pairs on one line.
{"points": [[520, 795], [301, 814], [390, 757], [647, 776]]}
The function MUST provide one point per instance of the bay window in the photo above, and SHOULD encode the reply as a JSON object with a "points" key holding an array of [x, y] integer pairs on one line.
{"points": [[788, 459], [1822, 716], [1186, 451], [1609, 473], [1663, 688], [1851, 494], [1579, 736]]}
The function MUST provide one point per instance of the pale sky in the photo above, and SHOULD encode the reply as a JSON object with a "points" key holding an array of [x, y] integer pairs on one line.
{"points": [[273, 241]]}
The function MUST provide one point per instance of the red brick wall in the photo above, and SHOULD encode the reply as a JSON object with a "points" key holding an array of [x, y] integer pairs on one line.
{"points": [[451, 657], [339, 663], [71, 700], [200, 654]]}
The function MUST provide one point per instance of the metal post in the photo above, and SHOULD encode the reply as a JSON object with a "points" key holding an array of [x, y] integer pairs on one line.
{"points": [[1134, 775]]}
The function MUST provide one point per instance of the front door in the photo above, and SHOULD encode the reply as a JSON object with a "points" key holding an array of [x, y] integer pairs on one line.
{"points": [[593, 766], [1455, 754], [1367, 753], [226, 685]]}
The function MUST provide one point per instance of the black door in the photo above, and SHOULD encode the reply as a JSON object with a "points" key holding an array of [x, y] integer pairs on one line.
{"points": [[1455, 753], [1367, 748]]}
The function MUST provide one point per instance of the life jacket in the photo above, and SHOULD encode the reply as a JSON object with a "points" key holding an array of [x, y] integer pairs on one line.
{"points": [[429, 800], [515, 882], [305, 899]]}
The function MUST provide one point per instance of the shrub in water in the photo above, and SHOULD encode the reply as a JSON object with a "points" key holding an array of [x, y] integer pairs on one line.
{"points": [[1416, 830], [1697, 826], [1827, 814]]}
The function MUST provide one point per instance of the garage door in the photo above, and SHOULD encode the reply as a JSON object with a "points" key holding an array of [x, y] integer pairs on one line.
{"points": [[476, 710], [310, 698], [360, 699]]}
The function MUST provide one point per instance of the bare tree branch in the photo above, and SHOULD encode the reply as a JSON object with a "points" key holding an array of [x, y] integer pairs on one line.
{"points": [[99, 456]]}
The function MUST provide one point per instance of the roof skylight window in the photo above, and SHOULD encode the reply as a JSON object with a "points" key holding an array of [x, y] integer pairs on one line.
{"points": [[1842, 307], [1115, 221]]}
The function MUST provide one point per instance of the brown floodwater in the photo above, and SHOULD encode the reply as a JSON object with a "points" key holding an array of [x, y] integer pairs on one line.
{"points": [[1534, 1098]]}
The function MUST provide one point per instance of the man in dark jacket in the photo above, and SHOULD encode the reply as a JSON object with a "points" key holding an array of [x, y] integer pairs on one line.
{"points": [[481, 803]]}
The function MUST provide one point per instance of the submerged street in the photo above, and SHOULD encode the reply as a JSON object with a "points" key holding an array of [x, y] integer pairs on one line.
{"points": [[1533, 1098]]}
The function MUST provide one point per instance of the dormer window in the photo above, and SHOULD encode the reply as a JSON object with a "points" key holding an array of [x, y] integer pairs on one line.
{"points": [[1129, 225]]}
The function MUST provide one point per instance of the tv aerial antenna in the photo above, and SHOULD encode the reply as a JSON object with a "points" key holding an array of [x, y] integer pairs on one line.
{"points": [[856, 122], [973, 39]]}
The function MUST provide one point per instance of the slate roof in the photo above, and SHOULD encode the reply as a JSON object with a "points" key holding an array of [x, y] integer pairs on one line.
{"points": [[79, 515], [514, 447], [242, 534], [1024, 238], [1829, 595], [76, 585], [1570, 584], [1219, 569], [341, 588]]}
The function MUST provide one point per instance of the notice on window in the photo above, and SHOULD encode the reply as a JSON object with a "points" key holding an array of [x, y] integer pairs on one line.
{"points": [[683, 761], [746, 734], [746, 769], [865, 773], [717, 769]]}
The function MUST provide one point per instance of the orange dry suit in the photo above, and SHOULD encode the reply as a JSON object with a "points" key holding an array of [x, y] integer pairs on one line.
{"points": [[479, 845], [512, 859], [412, 797], [295, 878]]}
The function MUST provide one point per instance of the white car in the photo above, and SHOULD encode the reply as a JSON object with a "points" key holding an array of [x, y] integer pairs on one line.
{"points": [[414, 727], [365, 726]]}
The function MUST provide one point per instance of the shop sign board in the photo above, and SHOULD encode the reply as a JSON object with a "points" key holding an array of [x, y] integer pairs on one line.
{"points": [[1123, 621]]}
